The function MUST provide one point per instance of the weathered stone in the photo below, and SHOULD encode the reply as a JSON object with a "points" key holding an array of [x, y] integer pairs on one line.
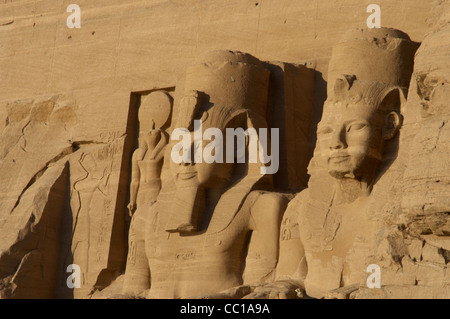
{"points": [[88, 127]]}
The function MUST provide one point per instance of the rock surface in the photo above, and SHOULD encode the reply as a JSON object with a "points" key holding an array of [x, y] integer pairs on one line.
{"points": [[87, 178]]}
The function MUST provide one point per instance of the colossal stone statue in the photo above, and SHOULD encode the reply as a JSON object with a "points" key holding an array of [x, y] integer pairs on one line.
{"points": [[366, 193], [356, 124], [328, 230], [213, 227]]}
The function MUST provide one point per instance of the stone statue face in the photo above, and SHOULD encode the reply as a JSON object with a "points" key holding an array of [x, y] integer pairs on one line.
{"points": [[350, 138], [357, 119], [202, 174]]}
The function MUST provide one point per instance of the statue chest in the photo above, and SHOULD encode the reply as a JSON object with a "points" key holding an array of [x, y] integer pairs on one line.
{"points": [[177, 247]]}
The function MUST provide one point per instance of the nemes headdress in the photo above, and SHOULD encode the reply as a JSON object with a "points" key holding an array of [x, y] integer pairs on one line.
{"points": [[230, 83]]}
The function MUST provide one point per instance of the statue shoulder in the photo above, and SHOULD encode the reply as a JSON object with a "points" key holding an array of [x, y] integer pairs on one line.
{"points": [[294, 207], [268, 205], [138, 154], [270, 200], [300, 197]]}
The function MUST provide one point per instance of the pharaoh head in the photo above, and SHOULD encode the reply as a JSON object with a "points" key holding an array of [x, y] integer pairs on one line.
{"points": [[357, 120], [206, 164], [368, 73], [225, 90]]}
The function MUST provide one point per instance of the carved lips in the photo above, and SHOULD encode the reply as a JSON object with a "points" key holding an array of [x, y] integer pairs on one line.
{"points": [[186, 174], [338, 158]]}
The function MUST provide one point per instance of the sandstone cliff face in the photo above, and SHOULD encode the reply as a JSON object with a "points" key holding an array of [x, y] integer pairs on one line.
{"points": [[416, 250], [69, 102], [52, 183]]}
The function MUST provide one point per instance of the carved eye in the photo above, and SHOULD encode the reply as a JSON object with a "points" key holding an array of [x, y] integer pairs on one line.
{"points": [[356, 127], [325, 130]]}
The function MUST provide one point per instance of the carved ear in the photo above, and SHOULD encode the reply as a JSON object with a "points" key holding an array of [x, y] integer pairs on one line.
{"points": [[392, 102], [392, 123]]}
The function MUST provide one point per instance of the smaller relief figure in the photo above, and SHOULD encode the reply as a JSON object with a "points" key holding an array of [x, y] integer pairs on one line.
{"points": [[147, 161], [90, 189]]}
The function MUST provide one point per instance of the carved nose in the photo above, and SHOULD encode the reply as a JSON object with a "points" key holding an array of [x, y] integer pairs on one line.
{"points": [[337, 141], [337, 146], [191, 153], [185, 164]]}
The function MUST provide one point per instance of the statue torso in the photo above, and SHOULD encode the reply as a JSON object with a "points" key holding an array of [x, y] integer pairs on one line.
{"points": [[195, 264], [337, 243]]}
